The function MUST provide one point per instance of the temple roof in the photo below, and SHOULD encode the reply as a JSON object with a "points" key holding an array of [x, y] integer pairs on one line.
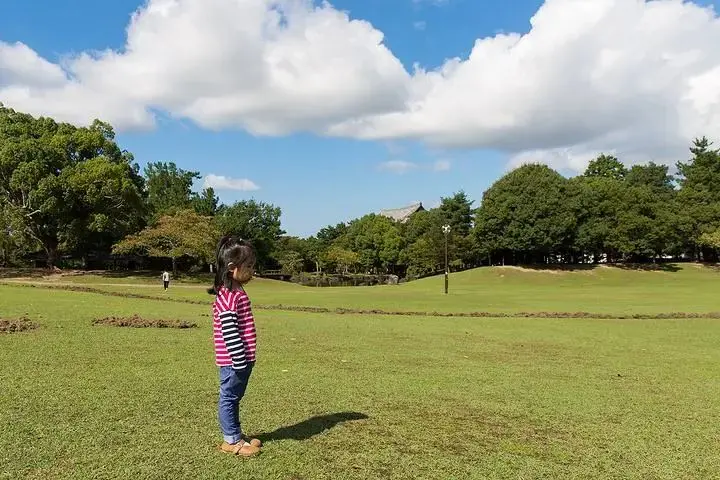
{"points": [[404, 213]]}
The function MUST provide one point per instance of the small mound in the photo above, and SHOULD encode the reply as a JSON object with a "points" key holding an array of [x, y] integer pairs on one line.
{"points": [[22, 324], [136, 321]]}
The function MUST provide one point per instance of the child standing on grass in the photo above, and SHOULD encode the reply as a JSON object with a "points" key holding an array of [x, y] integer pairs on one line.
{"points": [[234, 338]]}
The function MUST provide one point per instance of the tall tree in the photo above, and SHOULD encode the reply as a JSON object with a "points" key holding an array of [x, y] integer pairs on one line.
{"points": [[169, 187], [699, 195], [206, 202], [67, 183], [652, 194], [606, 166], [653, 176], [525, 214], [329, 234], [424, 251], [342, 259], [14, 242], [258, 222], [596, 202], [376, 239], [457, 211], [174, 236]]}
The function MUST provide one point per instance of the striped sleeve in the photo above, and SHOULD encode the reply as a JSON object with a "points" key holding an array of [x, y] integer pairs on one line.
{"points": [[230, 329]]}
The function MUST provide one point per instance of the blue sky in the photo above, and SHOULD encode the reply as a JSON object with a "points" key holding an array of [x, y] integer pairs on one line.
{"points": [[316, 179]]}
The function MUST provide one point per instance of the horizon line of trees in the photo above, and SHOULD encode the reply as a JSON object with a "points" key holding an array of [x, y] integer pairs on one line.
{"points": [[71, 191]]}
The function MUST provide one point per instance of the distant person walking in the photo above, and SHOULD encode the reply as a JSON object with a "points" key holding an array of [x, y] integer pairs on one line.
{"points": [[166, 279]]}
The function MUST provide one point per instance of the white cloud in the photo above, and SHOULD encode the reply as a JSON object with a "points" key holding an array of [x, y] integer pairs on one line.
{"points": [[220, 182], [398, 166], [401, 167], [441, 165], [638, 77], [419, 25], [266, 66]]}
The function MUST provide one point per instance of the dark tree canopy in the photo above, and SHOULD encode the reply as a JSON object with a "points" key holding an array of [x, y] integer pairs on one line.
{"points": [[526, 212], [606, 166], [258, 222], [69, 186]]}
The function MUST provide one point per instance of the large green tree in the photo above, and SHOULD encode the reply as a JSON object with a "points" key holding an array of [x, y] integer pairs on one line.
{"points": [[606, 166], [169, 190], [183, 234], [14, 241], [596, 202], [457, 211], [67, 184], [377, 241], [525, 216], [699, 195], [256, 221], [424, 243], [205, 203]]}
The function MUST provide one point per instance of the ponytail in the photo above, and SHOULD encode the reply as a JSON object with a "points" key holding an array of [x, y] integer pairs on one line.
{"points": [[230, 250]]}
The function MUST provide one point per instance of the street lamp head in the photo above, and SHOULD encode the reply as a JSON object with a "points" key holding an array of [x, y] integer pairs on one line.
{"points": [[446, 229]]}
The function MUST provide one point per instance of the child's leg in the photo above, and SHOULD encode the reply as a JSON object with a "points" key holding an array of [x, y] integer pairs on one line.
{"points": [[233, 384]]}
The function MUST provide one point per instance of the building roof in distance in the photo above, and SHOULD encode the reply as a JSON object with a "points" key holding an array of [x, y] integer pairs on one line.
{"points": [[402, 214]]}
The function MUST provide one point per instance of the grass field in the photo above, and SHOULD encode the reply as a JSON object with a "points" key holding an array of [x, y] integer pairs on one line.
{"points": [[614, 291], [373, 396]]}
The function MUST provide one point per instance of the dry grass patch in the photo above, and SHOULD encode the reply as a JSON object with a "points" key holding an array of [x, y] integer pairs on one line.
{"points": [[136, 321], [22, 324]]}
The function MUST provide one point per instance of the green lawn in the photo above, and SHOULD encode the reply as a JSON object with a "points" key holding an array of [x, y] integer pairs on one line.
{"points": [[692, 288], [364, 396]]}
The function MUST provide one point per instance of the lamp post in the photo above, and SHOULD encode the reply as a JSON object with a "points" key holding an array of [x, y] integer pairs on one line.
{"points": [[446, 231]]}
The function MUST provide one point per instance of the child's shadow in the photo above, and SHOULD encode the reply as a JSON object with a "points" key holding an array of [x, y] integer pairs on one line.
{"points": [[310, 427]]}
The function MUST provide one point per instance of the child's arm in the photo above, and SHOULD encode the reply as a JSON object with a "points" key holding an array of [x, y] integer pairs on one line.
{"points": [[231, 334]]}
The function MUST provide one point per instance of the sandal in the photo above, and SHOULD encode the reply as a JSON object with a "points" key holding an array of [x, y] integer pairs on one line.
{"points": [[241, 448]]}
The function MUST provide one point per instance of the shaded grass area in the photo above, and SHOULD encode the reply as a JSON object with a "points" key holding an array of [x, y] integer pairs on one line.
{"points": [[357, 397]]}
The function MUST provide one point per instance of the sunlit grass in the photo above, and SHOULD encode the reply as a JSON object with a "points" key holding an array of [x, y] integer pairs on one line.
{"points": [[692, 288], [357, 397]]}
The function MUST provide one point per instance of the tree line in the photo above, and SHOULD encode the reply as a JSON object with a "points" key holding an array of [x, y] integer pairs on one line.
{"points": [[71, 191]]}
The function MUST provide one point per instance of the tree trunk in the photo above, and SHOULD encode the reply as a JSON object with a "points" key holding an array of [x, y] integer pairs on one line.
{"points": [[51, 249], [174, 266]]}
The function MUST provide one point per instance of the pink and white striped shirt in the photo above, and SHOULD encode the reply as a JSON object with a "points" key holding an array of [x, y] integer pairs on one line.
{"points": [[233, 329]]}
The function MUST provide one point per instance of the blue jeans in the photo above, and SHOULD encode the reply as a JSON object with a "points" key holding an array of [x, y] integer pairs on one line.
{"points": [[232, 388]]}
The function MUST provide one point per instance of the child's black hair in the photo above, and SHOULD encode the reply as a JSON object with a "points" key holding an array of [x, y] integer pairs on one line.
{"points": [[233, 251]]}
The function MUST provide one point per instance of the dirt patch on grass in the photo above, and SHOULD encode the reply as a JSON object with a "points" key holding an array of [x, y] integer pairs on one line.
{"points": [[22, 324], [84, 289], [529, 269], [601, 316], [136, 321]]}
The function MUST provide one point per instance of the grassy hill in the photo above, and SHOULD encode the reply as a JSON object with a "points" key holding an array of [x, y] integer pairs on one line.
{"points": [[601, 289]]}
